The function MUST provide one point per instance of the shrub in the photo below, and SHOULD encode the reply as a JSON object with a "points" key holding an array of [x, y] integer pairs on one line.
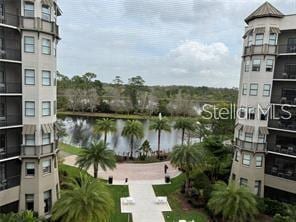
{"points": [[273, 207], [280, 218]]}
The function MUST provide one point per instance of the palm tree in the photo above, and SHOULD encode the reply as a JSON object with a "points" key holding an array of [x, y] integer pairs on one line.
{"points": [[184, 124], [133, 129], [105, 126], [232, 202], [84, 199], [97, 155], [159, 125], [188, 158]]}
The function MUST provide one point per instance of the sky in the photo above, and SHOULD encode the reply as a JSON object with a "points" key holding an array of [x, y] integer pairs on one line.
{"points": [[167, 42]]}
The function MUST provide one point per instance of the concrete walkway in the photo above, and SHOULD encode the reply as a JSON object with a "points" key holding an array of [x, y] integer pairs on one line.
{"points": [[145, 208], [141, 177]]}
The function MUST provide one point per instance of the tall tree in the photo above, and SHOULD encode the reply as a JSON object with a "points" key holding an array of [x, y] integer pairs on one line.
{"points": [[184, 124], [105, 126], [234, 203], [188, 158], [159, 125], [133, 129], [97, 155], [84, 199], [135, 85]]}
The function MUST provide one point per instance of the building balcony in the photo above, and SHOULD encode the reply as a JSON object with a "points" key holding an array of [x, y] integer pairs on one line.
{"points": [[280, 166], [9, 19], [11, 88], [38, 24], [287, 49], [289, 125], [282, 143], [9, 182], [10, 120], [289, 149], [250, 146], [37, 151], [265, 49], [10, 54], [11, 112], [10, 174], [9, 152]]}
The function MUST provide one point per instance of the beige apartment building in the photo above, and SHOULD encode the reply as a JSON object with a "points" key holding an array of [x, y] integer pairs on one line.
{"points": [[265, 143], [28, 150]]}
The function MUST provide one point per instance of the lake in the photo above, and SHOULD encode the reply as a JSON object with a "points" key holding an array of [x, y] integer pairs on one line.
{"points": [[80, 133]]}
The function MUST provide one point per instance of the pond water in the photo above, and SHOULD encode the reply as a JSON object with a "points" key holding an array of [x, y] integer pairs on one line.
{"points": [[80, 133]]}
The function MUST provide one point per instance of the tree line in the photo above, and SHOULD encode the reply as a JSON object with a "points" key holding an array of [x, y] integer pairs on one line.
{"points": [[84, 93]]}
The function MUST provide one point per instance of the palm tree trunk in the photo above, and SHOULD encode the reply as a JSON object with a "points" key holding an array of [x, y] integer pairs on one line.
{"points": [[187, 183], [158, 152], [95, 170], [105, 138], [183, 136], [132, 147]]}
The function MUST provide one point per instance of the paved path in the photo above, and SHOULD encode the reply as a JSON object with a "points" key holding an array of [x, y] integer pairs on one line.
{"points": [[153, 172], [141, 177], [145, 208]]}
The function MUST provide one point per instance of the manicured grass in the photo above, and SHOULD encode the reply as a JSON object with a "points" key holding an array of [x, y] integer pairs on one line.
{"points": [[116, 191], [172, 191], [73, 150]]}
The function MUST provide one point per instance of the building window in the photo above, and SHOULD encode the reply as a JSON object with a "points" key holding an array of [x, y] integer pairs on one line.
{"points": [[259, 161], [46, 78], [46, 48], [46, 166], [242, 113], [47, 201], [245, 89], [247, 66], [30, 169], [29, 9], [240, 134], [246, 159], [46, 14], [256, 65], [30, 140], [45, 138], [243, 182], [272, 38], [258, 187], [269, 65], [250, 40], [259, 39], [266, 89], [46, 109], [29, 42], [251, 113], [30, 202], [249, 137], [237, 156], [29, 77], [30, 109], [253, 89], [261, 138]]}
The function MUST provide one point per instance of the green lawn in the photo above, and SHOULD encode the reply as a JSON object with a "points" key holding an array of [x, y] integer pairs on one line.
{"points": [[73, 150], [116, 191], [175, 201]]}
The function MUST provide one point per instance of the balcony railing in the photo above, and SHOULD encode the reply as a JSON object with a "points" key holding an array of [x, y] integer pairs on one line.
{"points": [[10, 54], [285, 75], [11, 87], [10, 19], [284, 149], [255, 147], [6, 183], [283, 49], [11, 120], [287, 173], [283, 124], [40, 25], [265, 49], [37, 151], [5, 152]]}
